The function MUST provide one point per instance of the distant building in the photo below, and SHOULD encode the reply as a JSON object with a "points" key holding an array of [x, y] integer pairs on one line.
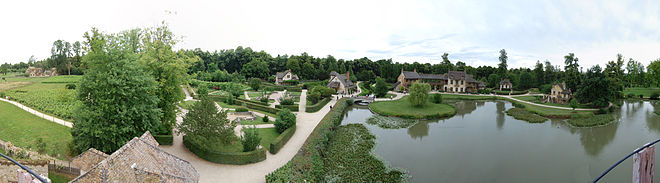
{"points": [[39, 72], [285, 76], [560, 94], [506, 85], [453, 81], [341, 83], [140, 160]]}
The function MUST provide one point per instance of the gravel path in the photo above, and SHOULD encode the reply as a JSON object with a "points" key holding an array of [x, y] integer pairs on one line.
{"points": [[41, 115], [256, 172]]}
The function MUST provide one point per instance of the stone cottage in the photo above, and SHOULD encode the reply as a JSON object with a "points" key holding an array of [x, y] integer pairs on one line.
{"points": [[341, 83], [506, 85], [139, 160], [284, 76], [453, 81], [559, 94]]}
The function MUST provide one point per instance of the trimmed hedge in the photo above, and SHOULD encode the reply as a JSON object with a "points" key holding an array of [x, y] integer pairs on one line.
{"points": [[250, 104], [307, 164], [293, 89], [284, 137], [506, 92], [252, 101], [293, 108], [316, 107], [164, 139], [234, 158]]}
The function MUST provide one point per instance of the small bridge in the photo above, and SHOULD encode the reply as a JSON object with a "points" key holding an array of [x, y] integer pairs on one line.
{"points": [[364, 99]]}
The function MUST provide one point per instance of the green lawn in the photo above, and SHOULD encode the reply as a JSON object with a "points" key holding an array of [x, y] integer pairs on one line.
{"points": [[364, 90], [267, 136], [257, 121], [389, 95], [23, 128], [218, 146], [553, 112], [522, 114], [640, 91], [403, 108], [596, 120], [254, 94], [58, 178]]}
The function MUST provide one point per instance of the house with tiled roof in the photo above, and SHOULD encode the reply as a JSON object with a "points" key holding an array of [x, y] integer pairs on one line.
{"points": [[560, 94], [139, 160], [453, 81], [341, 83], [287, 75], [506, 84]]}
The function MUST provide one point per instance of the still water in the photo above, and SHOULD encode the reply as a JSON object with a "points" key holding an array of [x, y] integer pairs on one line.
{"points": [[482, 144]]}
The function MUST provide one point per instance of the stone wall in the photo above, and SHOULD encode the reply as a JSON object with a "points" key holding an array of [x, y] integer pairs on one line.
{"points": [[8, 169]]}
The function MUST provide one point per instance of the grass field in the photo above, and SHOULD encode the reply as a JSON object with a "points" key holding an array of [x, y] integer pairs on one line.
{"points": [[641, 91], [596, 120], [522, 114], [402, 108], [267, 136], [23, 128]]}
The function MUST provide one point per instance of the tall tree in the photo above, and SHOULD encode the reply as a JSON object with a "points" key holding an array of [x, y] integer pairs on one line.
{"points": [[205, 122], [635, 75], [255, 69], [595, 89], [502, 65], [165, 66], [539, 74], [419, 94], [118, 98], [614, 72], [572, 72], [654, 72]]}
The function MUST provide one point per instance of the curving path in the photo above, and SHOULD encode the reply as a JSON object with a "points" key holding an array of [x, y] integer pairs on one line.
{"points": [[256, 172], [41, 115]]}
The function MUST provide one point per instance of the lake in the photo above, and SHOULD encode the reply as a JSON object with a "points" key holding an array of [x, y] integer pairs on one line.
{"points": [[482, 144]]}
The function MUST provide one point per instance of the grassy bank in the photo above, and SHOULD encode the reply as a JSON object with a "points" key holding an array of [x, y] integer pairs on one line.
{"points": [[535, 99], [402, 108], [522, 114], [552, 112], [646, 92], [23, 129], [349, 159], [596, 120]]}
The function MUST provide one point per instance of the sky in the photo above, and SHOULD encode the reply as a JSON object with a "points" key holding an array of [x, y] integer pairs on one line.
{"points": [[406, 31]]}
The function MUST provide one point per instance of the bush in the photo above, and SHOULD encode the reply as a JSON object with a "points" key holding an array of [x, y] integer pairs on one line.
{"points": [[323, 91], [546, 88], [234, 158], [611, 109], [641, 96], [241, 109], [284, 137], [255, 83], [2, 95], [71, 86], [263, 99], [265, 119], [250, 139], [655, 96], [285, 119], [313, 97], [229, 100], [41, 145], [164, 139], [601, 111], [419, 92], [436, 98], [317, 106], [286, 101], [350, 101], [630, 95], [290, 82]]}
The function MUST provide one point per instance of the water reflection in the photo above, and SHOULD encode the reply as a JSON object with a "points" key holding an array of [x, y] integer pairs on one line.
{"points": [[419, 130], [500, 114], [595, 139]]}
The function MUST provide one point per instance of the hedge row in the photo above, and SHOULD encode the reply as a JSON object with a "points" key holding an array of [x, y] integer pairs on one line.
{"points": [[506, 92], [317, 106], [293, 89], [234, 158], [284, 137], [293, 108], [251, 105], [253, 101], [307, 164], [164, 139]]}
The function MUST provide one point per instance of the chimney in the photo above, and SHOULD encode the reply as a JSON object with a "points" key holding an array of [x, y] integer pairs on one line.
{"points": [[402, 70], [415, 70], [347, 75]]}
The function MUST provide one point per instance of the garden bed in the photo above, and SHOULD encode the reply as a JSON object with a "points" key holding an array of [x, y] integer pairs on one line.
{"points": [[223, 154], [403, 109]]}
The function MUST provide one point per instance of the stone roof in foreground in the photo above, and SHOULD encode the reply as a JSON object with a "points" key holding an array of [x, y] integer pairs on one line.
{"points": [[140, 160]]}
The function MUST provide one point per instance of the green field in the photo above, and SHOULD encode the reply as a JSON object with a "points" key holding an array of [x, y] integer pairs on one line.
{"points": [[48, 95], [365, 91], [522, 114], [402, 108], [267, 136], [641, 91], [23, 128], [596, 120]]}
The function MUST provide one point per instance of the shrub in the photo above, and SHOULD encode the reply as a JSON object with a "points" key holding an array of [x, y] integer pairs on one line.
{"points": [[265, 119], [255, 83], [601, 111], [241, 109], [285, 119], [324, 91], [2, 95], [655, 96], [350, 101], [250, 139], [317, 106], [574, 104], [234, 158], [229, 100], [546, 88], [71, 86], [436, 98], [381, 87], [164, 139], [41, 145], [313, 97], [611, 109], [630, 95], [641, 96], [290, 82], [286, 101]]}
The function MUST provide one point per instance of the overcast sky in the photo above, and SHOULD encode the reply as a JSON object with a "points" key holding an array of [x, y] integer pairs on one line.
{"points": [[406, 31]]}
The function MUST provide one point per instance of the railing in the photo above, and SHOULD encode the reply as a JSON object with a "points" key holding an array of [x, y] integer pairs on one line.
{"points": [[620, 161], [24, 168]]}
